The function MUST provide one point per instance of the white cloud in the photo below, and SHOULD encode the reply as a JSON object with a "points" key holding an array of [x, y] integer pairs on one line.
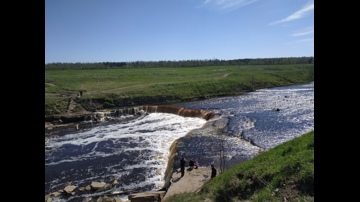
{"points": [[307, 31], [297, 15], [301, 41], [228, 4]]}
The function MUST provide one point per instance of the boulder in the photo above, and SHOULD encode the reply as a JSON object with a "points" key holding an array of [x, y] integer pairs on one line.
{"points": [[69, 189], [97, 185]]}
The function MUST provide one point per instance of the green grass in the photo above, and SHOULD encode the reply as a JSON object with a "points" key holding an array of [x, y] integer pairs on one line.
{"points": [[165, 85], [285, 171]]}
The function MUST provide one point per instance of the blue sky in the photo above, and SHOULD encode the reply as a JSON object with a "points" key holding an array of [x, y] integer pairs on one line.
{"points": [[153, 30]]}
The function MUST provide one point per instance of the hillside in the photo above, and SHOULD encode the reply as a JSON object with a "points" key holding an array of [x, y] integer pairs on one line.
{"points": [[283, 173]]}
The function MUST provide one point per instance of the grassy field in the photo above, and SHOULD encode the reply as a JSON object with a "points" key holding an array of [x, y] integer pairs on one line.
{"points": [[283, 173], [111, 88]]}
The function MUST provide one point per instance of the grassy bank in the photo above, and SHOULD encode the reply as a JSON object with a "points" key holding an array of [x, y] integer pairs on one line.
{"points": [[110, 88], [283, 173]]}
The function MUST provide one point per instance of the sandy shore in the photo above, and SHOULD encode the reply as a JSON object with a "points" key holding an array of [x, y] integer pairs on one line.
{"points": [[190, 182]]}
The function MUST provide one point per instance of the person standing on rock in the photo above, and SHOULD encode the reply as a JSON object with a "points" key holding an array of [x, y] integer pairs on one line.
{"points": [[213, 171], [182, 166]]}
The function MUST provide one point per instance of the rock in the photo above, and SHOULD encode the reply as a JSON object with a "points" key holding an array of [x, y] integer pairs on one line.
{"points": [[69, 189], [116, 182], [97, 185], [105, 199], [47, 198], [156, 196], [105, 187], [55, 194]]}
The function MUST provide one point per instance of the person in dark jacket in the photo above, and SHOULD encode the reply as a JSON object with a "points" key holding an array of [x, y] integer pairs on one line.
{"points": [[213, 171], [182, 166], [191, 164]]}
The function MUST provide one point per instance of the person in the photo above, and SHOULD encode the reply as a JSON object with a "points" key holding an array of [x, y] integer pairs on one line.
{"points": [[213, 171], [182, 166], [191, 164], [196, 164]]}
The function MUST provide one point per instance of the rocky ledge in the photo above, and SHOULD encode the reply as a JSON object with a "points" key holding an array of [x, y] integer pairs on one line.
{"points": [[104, 192]]}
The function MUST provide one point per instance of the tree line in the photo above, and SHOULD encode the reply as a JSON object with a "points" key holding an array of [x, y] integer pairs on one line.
{"points": [[180, 63]]}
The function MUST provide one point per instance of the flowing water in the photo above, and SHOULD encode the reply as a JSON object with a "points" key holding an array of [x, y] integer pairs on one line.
{"points": [[136, 151]]}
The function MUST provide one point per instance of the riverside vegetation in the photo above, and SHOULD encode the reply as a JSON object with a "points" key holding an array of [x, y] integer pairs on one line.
{"points": [[110, 86], [283, 173]]}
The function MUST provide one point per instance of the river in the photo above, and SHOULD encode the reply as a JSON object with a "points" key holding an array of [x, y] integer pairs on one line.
{"points": [[136, 151]]}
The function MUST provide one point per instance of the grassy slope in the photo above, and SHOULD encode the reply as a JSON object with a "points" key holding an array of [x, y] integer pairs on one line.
{"points": [[128, 87], [286, 171]]}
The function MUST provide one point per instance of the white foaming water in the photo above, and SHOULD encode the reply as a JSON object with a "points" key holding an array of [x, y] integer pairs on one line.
{"points": [[268, 117], [146, 140], [295, 116]]}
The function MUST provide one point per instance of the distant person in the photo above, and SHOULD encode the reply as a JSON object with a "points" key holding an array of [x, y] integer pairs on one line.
{"points": [[182, 166], [196, 164], [213, 171], [191, 164]]}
